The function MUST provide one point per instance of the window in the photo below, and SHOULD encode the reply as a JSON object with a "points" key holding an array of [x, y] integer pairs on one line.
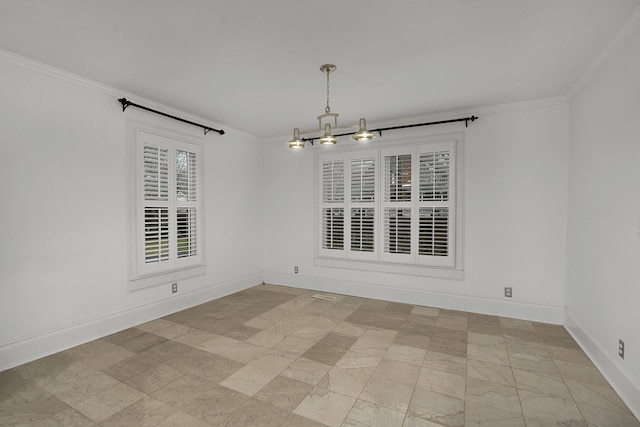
{"points": [[168, 205], [391, 205]]}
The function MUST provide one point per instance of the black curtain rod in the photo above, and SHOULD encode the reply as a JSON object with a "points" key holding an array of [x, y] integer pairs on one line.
{"points": [[126, 103], [466, 121]]}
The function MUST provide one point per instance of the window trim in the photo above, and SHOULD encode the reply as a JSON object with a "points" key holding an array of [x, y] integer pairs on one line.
{"points": [[137, 277], [454, 271]]}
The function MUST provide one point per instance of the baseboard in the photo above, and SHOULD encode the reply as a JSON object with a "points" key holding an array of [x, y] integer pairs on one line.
{"points": [[627, 388], [32, 348], [539, 313]]}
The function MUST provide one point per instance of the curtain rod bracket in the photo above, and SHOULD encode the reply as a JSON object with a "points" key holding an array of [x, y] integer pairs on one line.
{"points": [[125, 103]]}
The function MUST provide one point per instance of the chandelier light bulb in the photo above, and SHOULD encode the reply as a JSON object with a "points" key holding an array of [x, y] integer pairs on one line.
{"points": [[296, 142], [363, 134], [327, 138]]}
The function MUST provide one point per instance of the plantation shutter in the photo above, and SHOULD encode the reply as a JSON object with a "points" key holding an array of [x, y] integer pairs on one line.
{"points": [[333, 187], [436, 207], [397, 205], [170, 204]]}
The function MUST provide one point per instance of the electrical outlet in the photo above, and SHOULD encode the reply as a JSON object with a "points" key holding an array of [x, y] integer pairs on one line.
{"points": [[621, 348], [174, 288], [295, 269], [507, 292]]}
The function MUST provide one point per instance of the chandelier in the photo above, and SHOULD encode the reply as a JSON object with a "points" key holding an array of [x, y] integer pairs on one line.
{"points": [[328, 138]]}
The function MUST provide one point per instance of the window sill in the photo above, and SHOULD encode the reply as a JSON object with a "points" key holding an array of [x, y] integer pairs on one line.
{"points": [[381, 267], [163, 278]]}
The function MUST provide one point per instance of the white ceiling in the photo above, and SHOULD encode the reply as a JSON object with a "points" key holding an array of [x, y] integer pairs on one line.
{"points": [[254, 64]]}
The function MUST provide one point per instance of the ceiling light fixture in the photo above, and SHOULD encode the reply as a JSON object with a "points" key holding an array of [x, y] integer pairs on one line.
{"points": [[328, 138], [363, 135]]}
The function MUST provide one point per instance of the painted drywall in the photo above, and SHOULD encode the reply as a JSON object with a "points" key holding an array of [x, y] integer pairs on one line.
{"points": [[603, 263], [63, 214], [515, 196]]}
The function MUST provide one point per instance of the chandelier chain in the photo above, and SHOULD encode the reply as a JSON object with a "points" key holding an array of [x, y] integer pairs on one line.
{"points": [[327, 108]]}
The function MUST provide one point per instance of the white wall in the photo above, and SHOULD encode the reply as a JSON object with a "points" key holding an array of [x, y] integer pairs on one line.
{"points": [[515, 187], [603, 290], [63, 214]]}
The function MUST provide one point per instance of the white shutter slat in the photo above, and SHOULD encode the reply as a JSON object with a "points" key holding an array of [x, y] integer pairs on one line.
{"points": [[397, 230], [186, 174], [156, 235], [397, 178], [333, 181], [434, 231], [333, 228], [362, 229], [363, 180], [434, 176], [186, 232], [156, 173]]}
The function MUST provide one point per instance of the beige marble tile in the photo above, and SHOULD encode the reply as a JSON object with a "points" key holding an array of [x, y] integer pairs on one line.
{"points": [[216, 344], [476, 415], [108, 402], [76, 382], [366, 414], [491, 353], [325, 406], [273, 361], [348, 328], [549, 409], [266, 339], [153, 378], [593, 395], [388, 393], [540, 383], [295, 345], [604, 418], [399, 372], [244, 352], [425, 311], [22, 402], [164, 328], [499, 374], [581, 373], [491, 394], [130, 367], [99, 354], [442, 382], [445, 362], [191, 360], [249, 380], [166, 351], [532, 362], [403, 353], [67, 418], [260, 322], [355, 359], [306, 371], [284, 327], [147, 412], [257, 413], [194, 337], [568, 355], [347, 381], [437, 408], [180, 419], [284, 392], [507, 322], [455, 323]]}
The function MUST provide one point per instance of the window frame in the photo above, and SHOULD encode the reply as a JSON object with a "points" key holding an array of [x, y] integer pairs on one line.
{"points": [[141, 274], [448, 267]]}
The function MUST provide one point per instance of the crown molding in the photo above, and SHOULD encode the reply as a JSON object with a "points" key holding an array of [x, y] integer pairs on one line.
{"points": [[66, 76], [620, 36]]}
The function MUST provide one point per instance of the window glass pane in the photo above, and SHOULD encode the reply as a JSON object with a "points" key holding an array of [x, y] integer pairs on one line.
{"points": [[397, 230], [333, 228], [156, 173], [434, 176], [434, 232], [333, 181], [397, 181], [186, 226], [363, 180], [185, 176], [362, 234], [156, 235]]}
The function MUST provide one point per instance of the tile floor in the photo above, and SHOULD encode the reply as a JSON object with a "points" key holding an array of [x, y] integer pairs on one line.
{"points": [[275, 356]]}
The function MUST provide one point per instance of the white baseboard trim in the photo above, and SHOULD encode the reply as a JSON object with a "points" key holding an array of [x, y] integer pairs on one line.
{"points": [[627, 388], [32, 348], [539, 313]]}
